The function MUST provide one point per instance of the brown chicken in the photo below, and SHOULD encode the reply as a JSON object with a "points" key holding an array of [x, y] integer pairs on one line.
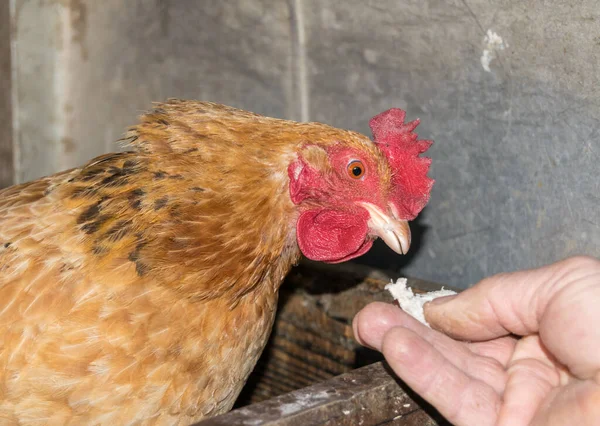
{"points": [[141, 288]]}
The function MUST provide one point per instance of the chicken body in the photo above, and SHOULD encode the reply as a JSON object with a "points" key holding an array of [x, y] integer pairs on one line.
{"points": [[142, 287]]}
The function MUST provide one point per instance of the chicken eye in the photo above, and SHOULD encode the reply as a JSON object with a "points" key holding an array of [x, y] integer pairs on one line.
{"points": [[356, 169]]}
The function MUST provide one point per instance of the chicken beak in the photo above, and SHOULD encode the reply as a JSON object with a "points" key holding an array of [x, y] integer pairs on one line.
{"points": [[395, 233]]}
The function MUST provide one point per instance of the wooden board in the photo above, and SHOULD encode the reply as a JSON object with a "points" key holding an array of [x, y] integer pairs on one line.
{"points": [[367, 396], [312, 364]]}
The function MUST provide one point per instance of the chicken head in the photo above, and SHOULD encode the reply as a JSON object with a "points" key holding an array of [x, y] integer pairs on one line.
{"points": [[350, 193]]}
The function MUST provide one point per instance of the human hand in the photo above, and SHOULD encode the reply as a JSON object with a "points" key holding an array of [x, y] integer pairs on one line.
{"points": [[476, 372]]}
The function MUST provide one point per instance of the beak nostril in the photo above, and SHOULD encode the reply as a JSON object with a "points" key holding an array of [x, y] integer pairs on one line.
{"points": [[394, 210]]}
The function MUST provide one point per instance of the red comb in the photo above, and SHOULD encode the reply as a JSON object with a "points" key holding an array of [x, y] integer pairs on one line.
{"points": [[411, 185]]}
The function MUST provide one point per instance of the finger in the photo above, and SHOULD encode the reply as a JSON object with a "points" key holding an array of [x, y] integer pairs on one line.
{"points": [[532, 375], [376, 319], [505, 303], [559, 301], [526, 389], [373, 321], [458, 397]]}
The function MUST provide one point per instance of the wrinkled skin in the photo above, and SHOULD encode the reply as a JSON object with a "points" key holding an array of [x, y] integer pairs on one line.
{"points": [[550, 375]]}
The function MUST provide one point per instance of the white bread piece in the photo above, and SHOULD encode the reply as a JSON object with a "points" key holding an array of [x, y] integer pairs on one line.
{"points": [[412, 303]]}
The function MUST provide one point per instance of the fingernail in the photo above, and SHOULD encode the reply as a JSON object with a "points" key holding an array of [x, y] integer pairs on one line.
{"points": [[356, 332], [355, 329]]}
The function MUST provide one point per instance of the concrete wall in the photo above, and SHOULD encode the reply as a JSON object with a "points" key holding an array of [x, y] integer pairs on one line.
{"points": [[517, 140]]}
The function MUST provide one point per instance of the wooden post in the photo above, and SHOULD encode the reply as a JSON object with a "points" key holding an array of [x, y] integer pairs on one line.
{"points": [[6, 140]]}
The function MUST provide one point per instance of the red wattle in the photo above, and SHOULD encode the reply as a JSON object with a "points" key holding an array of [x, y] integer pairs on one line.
{"points": [[330, 235]]}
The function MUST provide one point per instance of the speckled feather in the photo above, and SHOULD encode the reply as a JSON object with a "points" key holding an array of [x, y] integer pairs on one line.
{"points": [[141, 288]]}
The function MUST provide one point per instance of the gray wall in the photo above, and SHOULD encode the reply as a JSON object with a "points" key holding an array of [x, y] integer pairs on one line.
{"points": [[517, 148]]}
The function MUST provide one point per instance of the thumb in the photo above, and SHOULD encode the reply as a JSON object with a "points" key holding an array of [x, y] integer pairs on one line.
{"points": [[510, 303]]}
